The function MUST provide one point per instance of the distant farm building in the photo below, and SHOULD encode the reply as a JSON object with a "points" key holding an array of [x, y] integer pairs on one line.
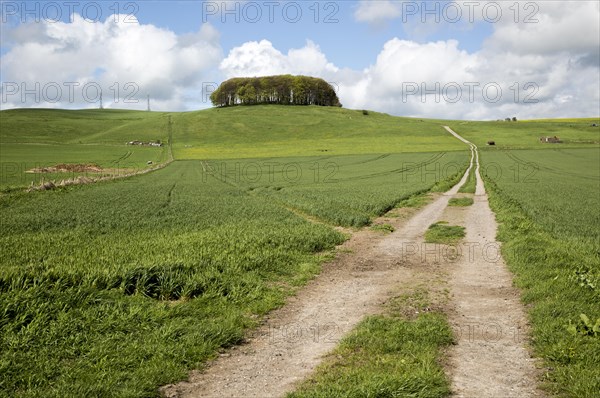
{"points": [[157, 144], [550, 140]]}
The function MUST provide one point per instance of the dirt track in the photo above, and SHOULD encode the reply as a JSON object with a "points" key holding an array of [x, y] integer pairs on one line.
{"points": [[490, 358], [368, 270]]}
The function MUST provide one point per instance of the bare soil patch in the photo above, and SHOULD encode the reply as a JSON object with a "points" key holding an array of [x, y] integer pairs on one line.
{"points": [[69, 168]]}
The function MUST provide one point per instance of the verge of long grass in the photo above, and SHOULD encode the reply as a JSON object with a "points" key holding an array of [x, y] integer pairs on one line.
{"points": [[560, 280]]}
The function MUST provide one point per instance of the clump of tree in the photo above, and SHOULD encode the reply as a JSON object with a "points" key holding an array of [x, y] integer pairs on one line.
{"points": [[282, 89]]}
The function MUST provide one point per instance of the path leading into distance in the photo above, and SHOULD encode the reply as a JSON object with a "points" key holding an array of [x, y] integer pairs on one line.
{"points": [[490, 358], [369, 270]]}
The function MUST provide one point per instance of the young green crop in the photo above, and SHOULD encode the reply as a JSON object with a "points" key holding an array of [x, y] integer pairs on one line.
{"points": [[89, 126], [119, 287], [342, 190], [35, 138], [266, 131], [116, 288]]}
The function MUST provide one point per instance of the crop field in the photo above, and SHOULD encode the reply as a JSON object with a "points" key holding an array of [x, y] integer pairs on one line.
{"points": [[547, 202], [120, 287], [173, 266], [20, 161], [343, 190], [92, 126]]}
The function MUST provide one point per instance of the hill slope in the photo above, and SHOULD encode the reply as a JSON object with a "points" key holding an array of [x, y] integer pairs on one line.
{"points": [[277, 130]]}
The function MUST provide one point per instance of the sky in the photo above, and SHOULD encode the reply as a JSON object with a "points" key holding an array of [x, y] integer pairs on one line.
{"points": [[480, 60]]}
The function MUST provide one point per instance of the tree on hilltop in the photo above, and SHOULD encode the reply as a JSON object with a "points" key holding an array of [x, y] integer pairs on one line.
{"points": [[281, 89]]}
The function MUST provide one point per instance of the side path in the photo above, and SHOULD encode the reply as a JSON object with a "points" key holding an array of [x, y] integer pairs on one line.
{"points": [[490, 358]]}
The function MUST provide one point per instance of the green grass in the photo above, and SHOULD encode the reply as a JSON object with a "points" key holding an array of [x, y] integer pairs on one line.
{"points": [[120, 287], [415, 201], [460, 202], [342, 190], [18, 159], [33, 138], [89, 126], [389, 355], [135, 282], [113, 293], [440, 232], [555, 188], [471, 184], [575, 133], [285, 131], [385, 228], [45, 137], [549, 219]]}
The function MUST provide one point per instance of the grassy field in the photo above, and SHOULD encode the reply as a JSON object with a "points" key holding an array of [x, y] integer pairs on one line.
{"points": [[120, 287], [113, 293], [138, 280], [35, 138], [575, 133], [89, 126], [547, 203], [18, 160], [342, 190], [278, 131]]}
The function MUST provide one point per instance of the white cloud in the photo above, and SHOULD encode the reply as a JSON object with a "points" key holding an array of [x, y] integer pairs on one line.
{"points": [[377, 12], [525, 26], [571, 27], [262, 59], [556, 52], [120, 57], [440, 80]]}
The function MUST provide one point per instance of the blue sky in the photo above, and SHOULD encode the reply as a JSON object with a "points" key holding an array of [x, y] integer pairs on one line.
{"points": [[173, 48], [331, 25], [337, 32]]}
